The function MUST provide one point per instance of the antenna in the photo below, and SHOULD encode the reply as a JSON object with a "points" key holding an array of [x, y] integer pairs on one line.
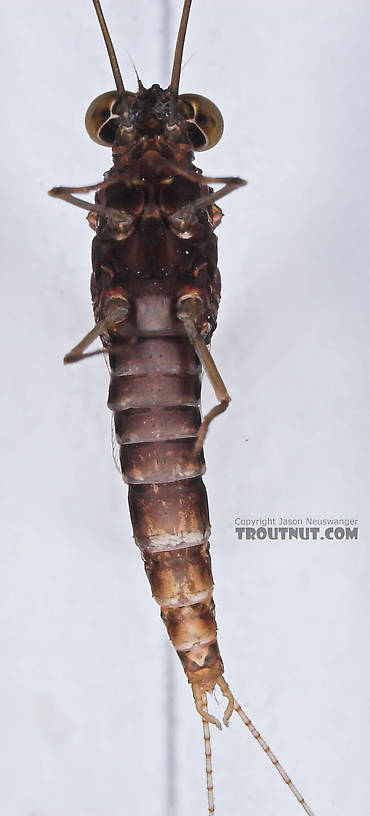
{"points": [[177, 60], [112, 56]]}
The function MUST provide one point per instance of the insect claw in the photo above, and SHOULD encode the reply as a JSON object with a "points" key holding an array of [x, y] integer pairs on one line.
{"points": [[222, 684], [209, 717], [201, 706]]}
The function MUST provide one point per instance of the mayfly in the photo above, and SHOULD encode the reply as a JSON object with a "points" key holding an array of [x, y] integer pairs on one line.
{"points": [[156, 290]]}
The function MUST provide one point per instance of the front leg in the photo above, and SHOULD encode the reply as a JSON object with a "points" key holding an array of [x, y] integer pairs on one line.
{"points": [[183, 218], [117, 219]]}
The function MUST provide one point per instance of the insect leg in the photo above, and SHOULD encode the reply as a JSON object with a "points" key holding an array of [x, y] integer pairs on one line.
{"points": [[184, 214], [188, 308], [205, 201], [67, 194], [116, 308]]}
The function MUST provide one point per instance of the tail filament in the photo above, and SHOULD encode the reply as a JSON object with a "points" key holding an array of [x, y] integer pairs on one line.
{"points": [[208, 754], [200, 698]]}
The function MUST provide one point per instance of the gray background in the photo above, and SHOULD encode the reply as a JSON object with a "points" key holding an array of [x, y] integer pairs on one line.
{"points": [[86, 670]]}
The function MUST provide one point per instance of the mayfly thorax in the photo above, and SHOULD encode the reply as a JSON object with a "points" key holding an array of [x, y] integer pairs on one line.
{"points": [[156, 289]]}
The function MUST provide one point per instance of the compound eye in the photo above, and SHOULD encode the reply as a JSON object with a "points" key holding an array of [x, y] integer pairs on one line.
{"points": [[204, 120], [102, 117]]}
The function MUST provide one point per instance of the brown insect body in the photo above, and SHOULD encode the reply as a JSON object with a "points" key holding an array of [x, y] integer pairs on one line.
{"points": [[156, 291], [155, 372]]}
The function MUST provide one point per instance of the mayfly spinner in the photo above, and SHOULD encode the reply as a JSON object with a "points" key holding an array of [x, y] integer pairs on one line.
{"points": [[156, 290]]}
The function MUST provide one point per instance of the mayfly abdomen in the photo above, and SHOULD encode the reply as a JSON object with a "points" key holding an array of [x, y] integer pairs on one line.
{"points": [[155, 396]]}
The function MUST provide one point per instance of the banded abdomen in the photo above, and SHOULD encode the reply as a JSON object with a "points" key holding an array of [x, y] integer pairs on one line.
{"points": [[155, 396]]}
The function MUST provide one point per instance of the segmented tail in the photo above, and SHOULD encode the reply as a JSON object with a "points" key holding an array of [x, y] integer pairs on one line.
{"points": [[200, 697]]}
